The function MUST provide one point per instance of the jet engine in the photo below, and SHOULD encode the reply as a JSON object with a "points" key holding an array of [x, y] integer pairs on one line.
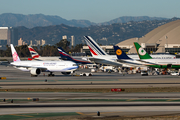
{"points": [[35, 71], [66, 73]]}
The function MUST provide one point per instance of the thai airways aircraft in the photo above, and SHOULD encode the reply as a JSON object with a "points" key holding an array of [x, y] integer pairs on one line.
{"points": [[36, 56], [36, 67], [157, 63], [65, 56], [101, 57]]}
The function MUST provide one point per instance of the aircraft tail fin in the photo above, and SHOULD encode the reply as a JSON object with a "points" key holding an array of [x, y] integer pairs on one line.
{"points": [[119, 53], [14, 54], [94, 48], [63, 54], [34, 54], [141, 52]]}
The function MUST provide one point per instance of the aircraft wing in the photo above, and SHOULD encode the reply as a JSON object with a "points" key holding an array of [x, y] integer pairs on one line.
{"points": [[94, 59], [105, 61], [148, 63], [131, 63], [43, 69]]}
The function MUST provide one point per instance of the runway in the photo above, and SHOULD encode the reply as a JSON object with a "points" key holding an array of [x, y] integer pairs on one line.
{"points": [[71, 95], [83, 103]]}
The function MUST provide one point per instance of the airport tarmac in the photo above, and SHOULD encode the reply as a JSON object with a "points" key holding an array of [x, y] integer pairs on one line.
{"points": [[19, 79], [87, 103]]}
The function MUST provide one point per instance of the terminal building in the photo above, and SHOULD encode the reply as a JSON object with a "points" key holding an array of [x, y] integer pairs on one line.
{"points": [[164, 39]]}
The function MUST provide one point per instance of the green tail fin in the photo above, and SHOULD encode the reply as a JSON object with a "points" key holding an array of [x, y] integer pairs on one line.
{"points": [[141, 52]]}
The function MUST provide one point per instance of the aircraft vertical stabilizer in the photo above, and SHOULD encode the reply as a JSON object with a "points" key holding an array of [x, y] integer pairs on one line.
{"points": [[94, 48], [14, 54], [141, 52], [120, 54], [34, 54]]}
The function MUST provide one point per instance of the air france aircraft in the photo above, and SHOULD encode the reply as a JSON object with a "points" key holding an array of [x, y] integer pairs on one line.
{"points": [[101, 57], [36, 56], [36, 67], [157, 63], [65, 56]]}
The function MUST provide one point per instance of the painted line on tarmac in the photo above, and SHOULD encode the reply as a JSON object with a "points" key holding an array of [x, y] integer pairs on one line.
{"points": [[111, 100]]}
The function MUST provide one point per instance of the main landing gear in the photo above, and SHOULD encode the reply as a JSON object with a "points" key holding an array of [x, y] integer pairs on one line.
{"points": [[49, 75], [33, 75]]}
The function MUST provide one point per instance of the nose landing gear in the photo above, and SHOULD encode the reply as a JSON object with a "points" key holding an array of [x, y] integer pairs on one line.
{"points": [[50, 75]]}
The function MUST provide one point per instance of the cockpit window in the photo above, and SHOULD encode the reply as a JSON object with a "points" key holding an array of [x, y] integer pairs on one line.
{"points": [[74, 65]]}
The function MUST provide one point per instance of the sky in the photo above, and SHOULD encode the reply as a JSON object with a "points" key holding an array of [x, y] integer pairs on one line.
{"points": [[93, 10]]}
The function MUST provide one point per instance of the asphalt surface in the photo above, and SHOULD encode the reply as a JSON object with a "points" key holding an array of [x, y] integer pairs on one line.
{"points": [[16, 79]]}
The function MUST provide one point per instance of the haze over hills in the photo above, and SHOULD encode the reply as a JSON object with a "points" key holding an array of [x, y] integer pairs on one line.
{"points": [[126, 19], [52, 28], [34, 20], [105, 34]]}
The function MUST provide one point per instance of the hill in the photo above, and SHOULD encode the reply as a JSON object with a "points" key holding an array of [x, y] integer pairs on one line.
{"points": [[34, 20], [105, 34], [30, 21]]}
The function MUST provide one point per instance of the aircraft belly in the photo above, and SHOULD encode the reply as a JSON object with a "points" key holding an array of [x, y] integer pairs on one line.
{"points": [[64, 69], [22, 69], [113, 63]]}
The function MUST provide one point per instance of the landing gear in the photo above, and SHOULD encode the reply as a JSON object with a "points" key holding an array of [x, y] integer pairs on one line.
{"points": [[66, 73], [50, 74], [33, 75]]}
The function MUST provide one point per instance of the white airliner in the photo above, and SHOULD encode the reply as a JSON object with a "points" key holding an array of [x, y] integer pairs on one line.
{"points": [[36, 67], [101, 57]]}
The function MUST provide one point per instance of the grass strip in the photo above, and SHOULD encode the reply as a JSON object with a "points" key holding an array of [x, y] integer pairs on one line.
{"points": [[101, 90]]}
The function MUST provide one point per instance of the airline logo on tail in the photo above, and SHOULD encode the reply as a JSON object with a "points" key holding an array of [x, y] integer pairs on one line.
{"points": [[34, 54], [14, 54], [141, 52], [118, 52], [95, 49]]}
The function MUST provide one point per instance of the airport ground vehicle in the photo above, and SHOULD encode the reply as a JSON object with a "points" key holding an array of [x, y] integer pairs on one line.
{"points": [[175, 73]]}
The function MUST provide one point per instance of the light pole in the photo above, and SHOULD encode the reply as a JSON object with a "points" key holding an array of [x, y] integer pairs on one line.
{"points": [[166, 42]]}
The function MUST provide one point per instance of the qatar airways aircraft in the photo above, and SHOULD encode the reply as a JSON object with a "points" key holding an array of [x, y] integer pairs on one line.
{"points": [[36, 67]]}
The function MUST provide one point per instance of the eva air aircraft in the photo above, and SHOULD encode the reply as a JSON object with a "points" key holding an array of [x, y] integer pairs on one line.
{"points": [[147, 60]]}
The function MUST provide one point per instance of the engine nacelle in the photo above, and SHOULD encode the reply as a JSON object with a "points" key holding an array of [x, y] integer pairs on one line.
{"points": [[66, 73], [35, 71]]}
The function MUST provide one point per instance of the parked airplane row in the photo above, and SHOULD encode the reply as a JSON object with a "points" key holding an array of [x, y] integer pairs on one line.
{"points": [[101, 57], [146, 59], [66, 64]]}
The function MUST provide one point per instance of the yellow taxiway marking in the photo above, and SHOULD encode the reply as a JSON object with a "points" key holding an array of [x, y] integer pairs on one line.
{"points": [[22, 115], [28, 98], [80, 113]]}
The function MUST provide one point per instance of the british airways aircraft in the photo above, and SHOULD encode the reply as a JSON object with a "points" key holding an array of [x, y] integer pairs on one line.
{"points": [[65, 56], [36, 56], [36, 67]]}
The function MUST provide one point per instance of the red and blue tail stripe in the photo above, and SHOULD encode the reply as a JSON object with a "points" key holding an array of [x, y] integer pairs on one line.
{"points": [[95, 49], [65, 56]]}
